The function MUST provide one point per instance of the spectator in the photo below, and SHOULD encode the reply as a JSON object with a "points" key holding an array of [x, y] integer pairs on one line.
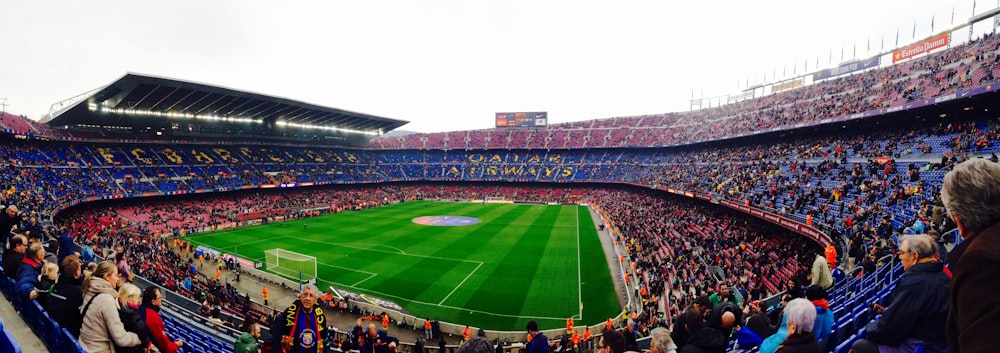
{"points": [[700, 337], [87, 255], [701, 306], [476, 345], [10, 221], [46, 282], [800, 315], [66, 297], [629, 333], [247, 342], [971, 194], [824, 316], [537, 342], [661, 342], [377, 341], [14, 255], [611, 342], [724, 295], [33, 229], [755, 328], [917, 314], [129, 298], [31, 268], [152, 300], [821, 274], [65, 244], [102, 328], [304, 332]]}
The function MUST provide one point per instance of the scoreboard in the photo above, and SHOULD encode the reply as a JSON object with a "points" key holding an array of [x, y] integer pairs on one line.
{"points": [[524, 119]]}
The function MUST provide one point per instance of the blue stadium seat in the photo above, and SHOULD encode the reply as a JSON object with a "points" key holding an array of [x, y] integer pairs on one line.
{"points": [[845, 346], [7, 342]]}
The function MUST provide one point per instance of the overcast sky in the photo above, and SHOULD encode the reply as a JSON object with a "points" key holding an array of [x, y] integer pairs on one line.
{"points": [[449, 65]]}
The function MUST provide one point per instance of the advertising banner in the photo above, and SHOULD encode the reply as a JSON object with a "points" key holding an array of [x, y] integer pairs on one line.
{"points": [[847, 68], [924, 46], [524, 119]]}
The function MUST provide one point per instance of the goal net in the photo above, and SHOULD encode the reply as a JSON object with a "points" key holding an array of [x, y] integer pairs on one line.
{"points": [[497, 199], [290, 264]]}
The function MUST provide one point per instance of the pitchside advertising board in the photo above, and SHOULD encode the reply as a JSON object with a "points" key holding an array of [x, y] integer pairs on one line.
{"points": [[524, 119]]}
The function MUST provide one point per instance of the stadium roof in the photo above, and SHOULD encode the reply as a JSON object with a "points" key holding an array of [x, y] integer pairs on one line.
{"points": [[140, 96]]}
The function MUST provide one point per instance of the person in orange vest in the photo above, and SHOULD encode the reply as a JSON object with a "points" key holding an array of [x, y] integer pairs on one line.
{"points": [[586, 338], [428, 332], [569, 325], [610, 326], [218, 275], [809, 219], [831, 256], [264, 292], [575, 340], [466, 334], [385, 322]]}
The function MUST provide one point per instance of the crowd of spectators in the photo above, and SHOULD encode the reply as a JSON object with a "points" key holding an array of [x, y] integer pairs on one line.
{"points": [[961, 67]]}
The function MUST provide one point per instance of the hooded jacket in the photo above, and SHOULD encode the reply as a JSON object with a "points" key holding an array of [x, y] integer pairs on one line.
{"points": [[245, 344], [101, 324]]}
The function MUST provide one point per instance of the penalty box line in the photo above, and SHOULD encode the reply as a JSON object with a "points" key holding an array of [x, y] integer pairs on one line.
{"points": [[372, 275]]}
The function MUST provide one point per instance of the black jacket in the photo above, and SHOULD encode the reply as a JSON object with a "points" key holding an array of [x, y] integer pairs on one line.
{"points": [[133, 323], [705, 340], [11, 263], [919, 307], [799, 343], [64, 304]]}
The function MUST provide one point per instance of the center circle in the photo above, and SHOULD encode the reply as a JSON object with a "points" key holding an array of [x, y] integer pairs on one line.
{"points": [[446, 221]]}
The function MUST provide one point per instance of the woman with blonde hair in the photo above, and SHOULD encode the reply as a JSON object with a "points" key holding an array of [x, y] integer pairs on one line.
{"points": [[102, 328]]}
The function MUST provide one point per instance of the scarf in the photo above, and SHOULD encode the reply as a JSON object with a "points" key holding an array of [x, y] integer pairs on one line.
{"points": [[821, 303], [307, 341]]}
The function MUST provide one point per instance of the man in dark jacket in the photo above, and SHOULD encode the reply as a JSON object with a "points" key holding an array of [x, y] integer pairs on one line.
{"points": [[27, 275], [65, 243], [14, 255], [538, 342], [916, 316], [300, 328], [701, 305], [700, 337], [10, 220], [66, 297], [971, 196]]}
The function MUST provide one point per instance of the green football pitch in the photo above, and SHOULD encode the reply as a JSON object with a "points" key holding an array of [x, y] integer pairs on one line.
{"points": [[519, 263]]}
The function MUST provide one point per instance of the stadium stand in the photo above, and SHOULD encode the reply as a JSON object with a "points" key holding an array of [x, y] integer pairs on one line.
{"points": [[863, 187]]}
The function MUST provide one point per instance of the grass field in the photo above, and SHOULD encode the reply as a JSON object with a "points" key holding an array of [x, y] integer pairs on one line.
{"points": [[520, 263]]}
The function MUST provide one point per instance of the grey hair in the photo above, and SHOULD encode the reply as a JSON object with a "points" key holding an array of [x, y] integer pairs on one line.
{"points": [[477, 345], [971, 192], [662, 340], [802, 313], [308, 287], [922, 244]]}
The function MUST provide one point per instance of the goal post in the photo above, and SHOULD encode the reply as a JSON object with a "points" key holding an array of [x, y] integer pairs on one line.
{"points": [[496, 199], [290, 264]]}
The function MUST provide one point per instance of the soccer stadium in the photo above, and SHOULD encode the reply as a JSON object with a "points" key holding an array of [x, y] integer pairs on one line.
{"points": [[833, 209]]}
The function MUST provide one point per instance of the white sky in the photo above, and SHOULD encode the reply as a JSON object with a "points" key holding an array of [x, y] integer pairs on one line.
{"points": [[448, 65]]}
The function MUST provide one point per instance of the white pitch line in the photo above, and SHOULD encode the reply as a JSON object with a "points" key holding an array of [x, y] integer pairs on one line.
{"points": [[579, 274], [387, 252], [460, 283], [387, 295], [349, 269], [362, 281]]}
